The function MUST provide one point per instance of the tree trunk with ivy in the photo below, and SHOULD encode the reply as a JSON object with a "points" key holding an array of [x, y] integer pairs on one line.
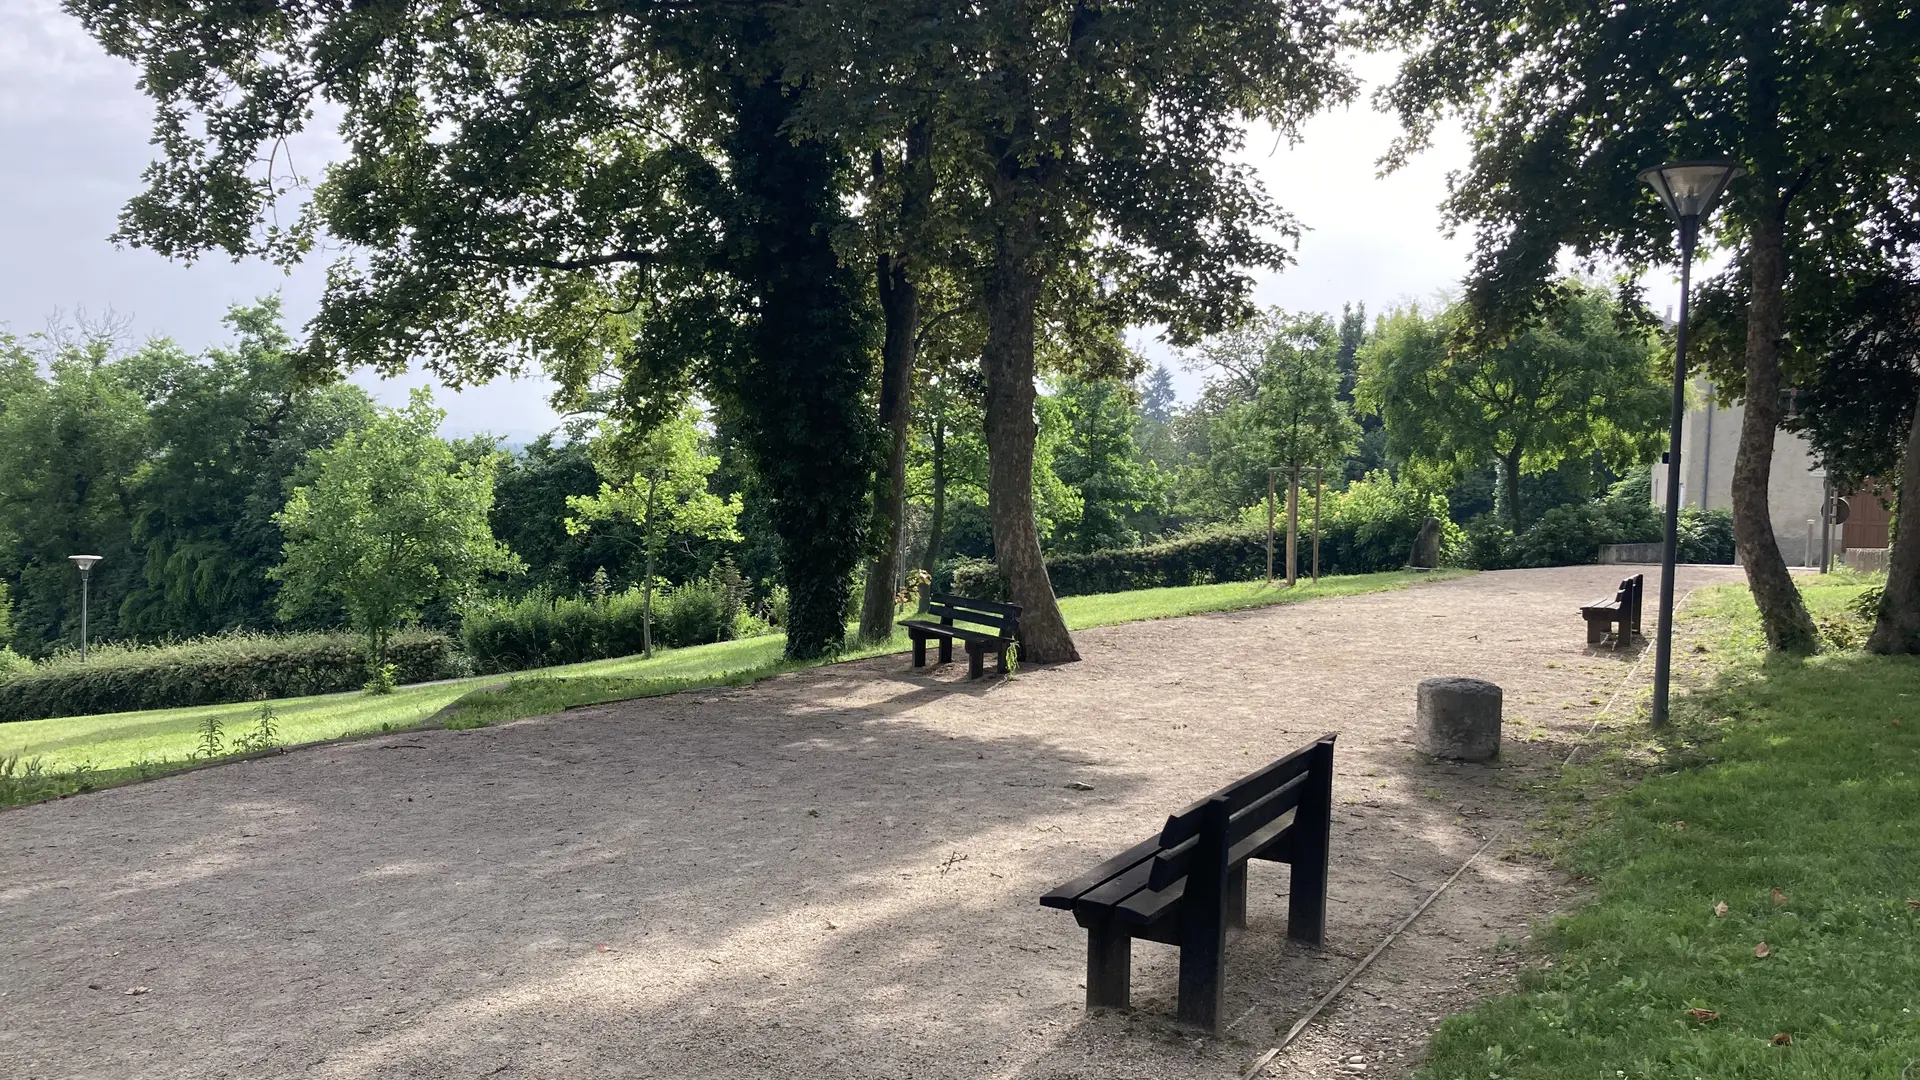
{"points": [[1783, 615], [937, 520]]}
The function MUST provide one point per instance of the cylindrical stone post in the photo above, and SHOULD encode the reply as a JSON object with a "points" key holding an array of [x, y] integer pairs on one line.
{"points": [[1458, 719]]}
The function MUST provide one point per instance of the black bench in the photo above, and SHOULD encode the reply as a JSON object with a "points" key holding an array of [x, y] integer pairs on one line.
{"points": [[1001, 624], [1186, 885], [1619, 616]]}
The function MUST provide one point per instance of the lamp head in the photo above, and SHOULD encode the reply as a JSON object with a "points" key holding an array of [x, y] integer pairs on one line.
{"points": [[84, 562], [1690, 189]]}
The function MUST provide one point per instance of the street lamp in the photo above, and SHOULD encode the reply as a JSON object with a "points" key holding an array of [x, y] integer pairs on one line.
{"points": [[1689, 189], [85, 563]]}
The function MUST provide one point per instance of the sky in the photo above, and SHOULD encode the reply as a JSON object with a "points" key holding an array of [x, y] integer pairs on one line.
{"points": [[74, 133]]}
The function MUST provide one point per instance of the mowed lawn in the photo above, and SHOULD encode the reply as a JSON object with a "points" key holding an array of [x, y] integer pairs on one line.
{"points": [[1756, 905], [159, 739]]}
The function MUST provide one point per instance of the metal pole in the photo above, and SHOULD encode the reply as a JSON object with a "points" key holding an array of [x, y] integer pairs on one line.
{"points": [[1826, 526], [86, 576], [1663, 646], [1269, 526]]}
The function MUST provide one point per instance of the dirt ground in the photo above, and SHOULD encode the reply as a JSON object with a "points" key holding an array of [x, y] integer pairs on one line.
{"points": [[832, 874]]}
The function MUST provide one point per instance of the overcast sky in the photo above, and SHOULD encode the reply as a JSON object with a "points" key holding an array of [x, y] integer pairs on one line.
{"points": [[74, 140]]}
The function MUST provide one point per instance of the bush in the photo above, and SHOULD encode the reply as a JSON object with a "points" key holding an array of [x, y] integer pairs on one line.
{"points": [[12, 664], [1705, 536], [216, 670], [1366, 528], [540, 630], [1573, 535]]}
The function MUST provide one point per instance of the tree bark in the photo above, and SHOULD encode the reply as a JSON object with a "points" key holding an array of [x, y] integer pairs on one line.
{"points": [[1270, 487], [1012, 291], [1510, 476], [937, 521], [1782, 613], [1897, 629], [1293, 526], [895, 274]]}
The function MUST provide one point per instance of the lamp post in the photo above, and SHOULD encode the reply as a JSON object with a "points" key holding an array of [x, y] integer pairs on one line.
{"points": [[85, 563], [1689, 190]]}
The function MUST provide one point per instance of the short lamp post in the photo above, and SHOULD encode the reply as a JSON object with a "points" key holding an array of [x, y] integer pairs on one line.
{"points": [[85, 563], [1689, 189]]}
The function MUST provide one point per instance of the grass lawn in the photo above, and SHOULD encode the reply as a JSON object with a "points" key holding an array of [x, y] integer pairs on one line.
{"points": [[73, 753], [1790, 793]]}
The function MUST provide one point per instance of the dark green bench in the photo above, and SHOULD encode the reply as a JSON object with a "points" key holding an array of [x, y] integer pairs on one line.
{"points": [[996, 626], [1618, 617], [1187, 884]]}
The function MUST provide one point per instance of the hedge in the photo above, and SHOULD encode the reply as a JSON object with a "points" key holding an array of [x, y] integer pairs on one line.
{"points": [[217, 670], [1368, 527], [540, 630]]}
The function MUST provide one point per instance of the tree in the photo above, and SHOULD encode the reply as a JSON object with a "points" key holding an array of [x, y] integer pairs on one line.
{"points": [[657, 480], [1118, 122], [390, 522], [1100, 461], [1156, 397], [227, 431], [1580, 380], [1567, 102], [619, 192], [72, 440]]}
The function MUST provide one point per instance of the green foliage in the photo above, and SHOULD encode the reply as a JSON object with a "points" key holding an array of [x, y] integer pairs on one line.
{"points": [[381, 679], [1579, 382], [530, 517], [13, 664], [390, 521], [1097, 458], [540, 630], [211, 744], [208, 671], [263, 735], [1795, 815]]}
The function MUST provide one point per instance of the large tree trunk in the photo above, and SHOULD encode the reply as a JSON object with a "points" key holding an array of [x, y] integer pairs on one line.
{"points": [[1898, 628], [1293, 525], [1782, 613], [1013, 289], [937, 521], [1510, 476], [899, 290]]}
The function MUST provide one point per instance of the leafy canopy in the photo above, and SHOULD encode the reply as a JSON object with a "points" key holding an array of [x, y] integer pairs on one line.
{"points": [[391, 521]]}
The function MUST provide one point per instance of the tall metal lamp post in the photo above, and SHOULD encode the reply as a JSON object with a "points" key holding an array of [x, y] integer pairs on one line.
{"points": [[1689, 189], [85, 563]]}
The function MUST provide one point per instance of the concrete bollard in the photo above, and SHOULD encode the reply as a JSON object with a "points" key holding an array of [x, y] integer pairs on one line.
{"points": [[1458, 719]]}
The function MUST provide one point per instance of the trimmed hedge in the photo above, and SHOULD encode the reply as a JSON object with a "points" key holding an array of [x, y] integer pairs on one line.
{"points": [[540, 630], [1368, 527], [217, 670]]}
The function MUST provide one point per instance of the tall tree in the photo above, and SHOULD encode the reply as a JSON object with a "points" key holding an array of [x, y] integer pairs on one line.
{"points": [[1100, 460], [390, 522], [611, 190], [1579, 380], [1567, 102], [657, 480], [1117, 125]]}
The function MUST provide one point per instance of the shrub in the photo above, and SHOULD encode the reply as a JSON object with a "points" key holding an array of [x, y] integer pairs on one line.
{"points": [[539, 630], [1573, 535], [216, 670], [12, 664], [1705, 536], [981, 579]]}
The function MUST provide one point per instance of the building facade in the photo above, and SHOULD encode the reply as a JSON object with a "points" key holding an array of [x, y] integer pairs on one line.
{"points": [[1709, 441]]}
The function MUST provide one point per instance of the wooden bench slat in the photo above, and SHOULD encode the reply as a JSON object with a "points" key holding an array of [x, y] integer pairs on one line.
{"points": [[1246, 790], [1064, 896], [1109, 895], [964, 633], [1149, 905], [994, 606]]}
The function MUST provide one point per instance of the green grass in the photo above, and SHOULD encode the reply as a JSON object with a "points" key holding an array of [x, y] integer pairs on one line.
{"points": [[1796, 775], [81, 752]]}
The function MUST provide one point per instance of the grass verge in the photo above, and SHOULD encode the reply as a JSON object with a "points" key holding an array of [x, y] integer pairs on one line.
{"points": [[42, 759], [1786, 792]]}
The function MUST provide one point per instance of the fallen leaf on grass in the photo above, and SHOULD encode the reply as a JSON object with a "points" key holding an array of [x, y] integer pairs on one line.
{"points": [[1704, 1016], [1720, 910], [1913, 905], [1762, 950], [1778, 896], [1785, 1038], [1679, 825]]}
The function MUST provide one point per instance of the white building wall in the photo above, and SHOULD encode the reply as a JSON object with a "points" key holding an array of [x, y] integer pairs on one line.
{"points": [[1709, 441]]}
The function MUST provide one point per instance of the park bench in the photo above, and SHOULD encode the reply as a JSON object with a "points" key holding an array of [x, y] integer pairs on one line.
{"points": [[1619, 616], [996, 627], [1187, 884]]}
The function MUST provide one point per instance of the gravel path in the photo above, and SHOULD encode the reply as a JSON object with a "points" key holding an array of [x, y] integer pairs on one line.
{"points": [[831, 874]]}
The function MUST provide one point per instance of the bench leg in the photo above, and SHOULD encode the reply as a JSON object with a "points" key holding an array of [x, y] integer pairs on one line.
{"points": [[919, 651], [1002, 668], [1307, 881], [1237, 896], [976, 660], [946, 650], [1203, 923], [1596, 631], [1109, 967]]}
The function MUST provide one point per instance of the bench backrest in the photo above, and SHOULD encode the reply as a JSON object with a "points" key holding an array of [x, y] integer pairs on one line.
{"points": [[1251, 803], [1632, 591], [950, 609]]}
